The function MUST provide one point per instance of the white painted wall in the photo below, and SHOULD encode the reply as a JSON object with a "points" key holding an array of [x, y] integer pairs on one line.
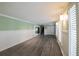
{"points": [[62, 38], [67, 39], [11, 38], [49, 30], [59, 30]]}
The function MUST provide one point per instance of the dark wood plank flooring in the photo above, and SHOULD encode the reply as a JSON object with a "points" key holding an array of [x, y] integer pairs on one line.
{"points": [[37, 46]]}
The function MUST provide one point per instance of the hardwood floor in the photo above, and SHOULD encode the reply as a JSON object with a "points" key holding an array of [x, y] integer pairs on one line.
{"points": [[37, 46]]}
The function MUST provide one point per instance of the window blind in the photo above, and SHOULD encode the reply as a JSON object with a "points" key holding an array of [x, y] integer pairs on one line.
{"points": [[72, 31]]}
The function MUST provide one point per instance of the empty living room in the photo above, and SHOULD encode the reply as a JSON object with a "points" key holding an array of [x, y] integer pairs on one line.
{"points": [[39, 28]]}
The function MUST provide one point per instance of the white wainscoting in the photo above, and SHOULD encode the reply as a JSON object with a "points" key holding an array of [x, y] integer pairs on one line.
{"points": [[12, 38]]}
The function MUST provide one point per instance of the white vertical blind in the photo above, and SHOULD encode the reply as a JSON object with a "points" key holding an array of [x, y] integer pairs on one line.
{"points": [[72, 31]]}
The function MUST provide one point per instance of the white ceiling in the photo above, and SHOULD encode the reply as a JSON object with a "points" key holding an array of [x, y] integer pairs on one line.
{"points": [[35, 12]]}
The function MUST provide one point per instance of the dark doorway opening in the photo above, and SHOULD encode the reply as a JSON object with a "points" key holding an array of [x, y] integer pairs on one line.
{"points": [[41, 29]]}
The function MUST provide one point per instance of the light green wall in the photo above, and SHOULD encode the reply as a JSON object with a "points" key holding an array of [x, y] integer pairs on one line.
{"points": [[11, 24]]}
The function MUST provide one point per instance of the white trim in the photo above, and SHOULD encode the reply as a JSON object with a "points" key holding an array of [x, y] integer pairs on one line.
{"points": [[18, 19], [61, 47]]}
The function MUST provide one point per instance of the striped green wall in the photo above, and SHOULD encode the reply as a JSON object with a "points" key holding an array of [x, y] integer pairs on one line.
{"points": [[11, 24]]}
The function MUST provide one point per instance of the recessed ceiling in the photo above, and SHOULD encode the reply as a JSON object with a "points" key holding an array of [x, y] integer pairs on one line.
{"points": [[35, 12]]}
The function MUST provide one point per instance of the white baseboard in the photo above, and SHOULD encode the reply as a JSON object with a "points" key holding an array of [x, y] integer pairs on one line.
{"points": [[61, 47]]}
